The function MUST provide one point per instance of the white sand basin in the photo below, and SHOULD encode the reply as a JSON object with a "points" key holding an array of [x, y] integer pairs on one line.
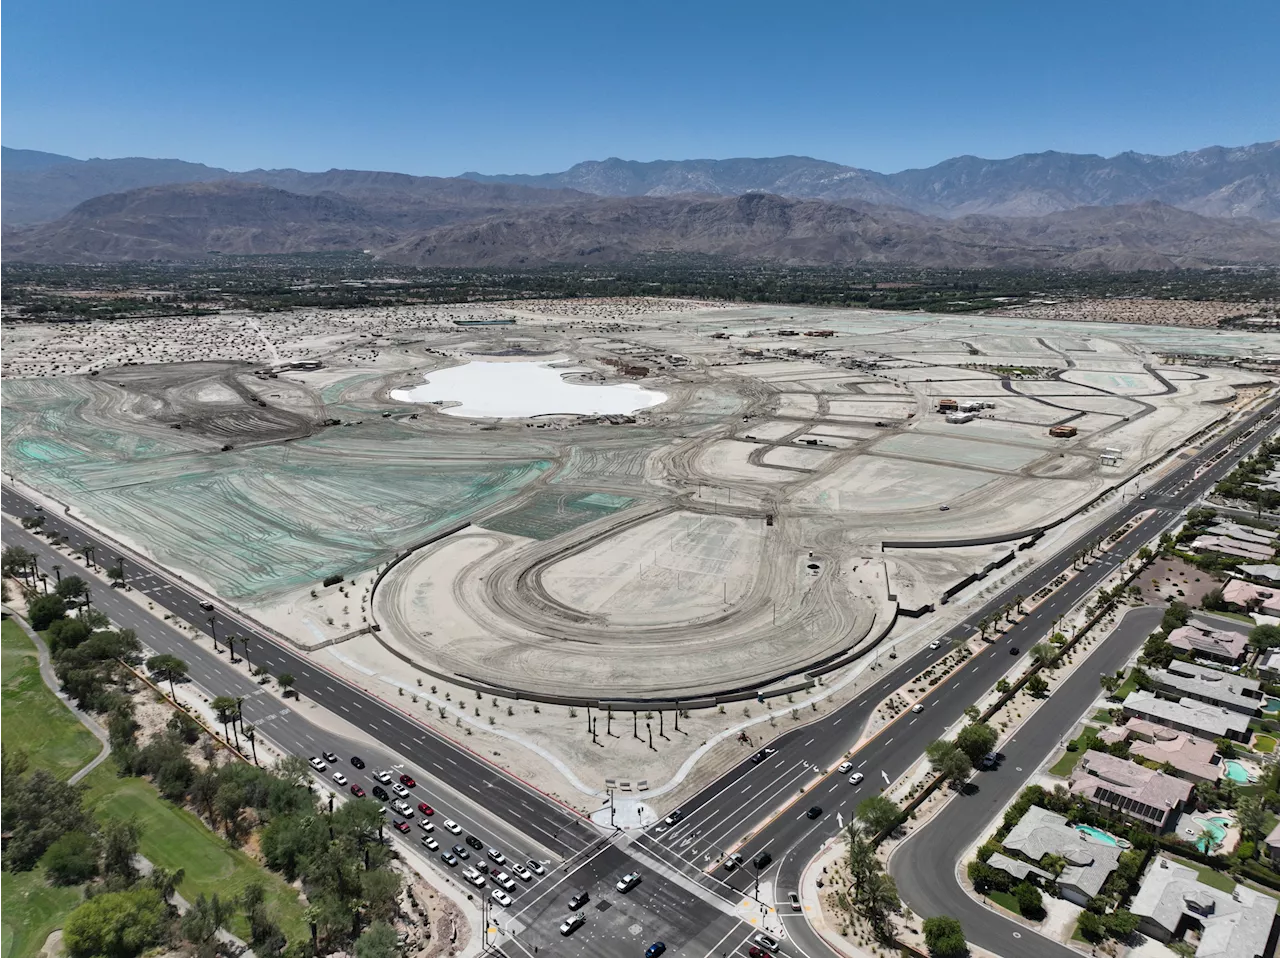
{"points": [[493, 390]]}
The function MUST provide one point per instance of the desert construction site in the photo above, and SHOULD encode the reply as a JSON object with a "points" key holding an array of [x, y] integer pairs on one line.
{"points": [[505, 513]]}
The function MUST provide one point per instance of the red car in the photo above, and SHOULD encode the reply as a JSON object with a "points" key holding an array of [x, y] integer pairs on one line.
{"points": [[402, 827], [757, 952], [407, 781], [357, 791], [426, 809]]}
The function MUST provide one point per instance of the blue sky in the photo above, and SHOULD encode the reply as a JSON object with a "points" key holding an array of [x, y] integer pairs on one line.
{"points": [[438, 89]]}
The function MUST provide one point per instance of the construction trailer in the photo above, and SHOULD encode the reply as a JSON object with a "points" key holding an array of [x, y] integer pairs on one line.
{"points": [[1062, 432], [960, 417], [948, 405]]}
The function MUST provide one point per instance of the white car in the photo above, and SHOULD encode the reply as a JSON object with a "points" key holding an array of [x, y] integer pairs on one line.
{"points": [[383, 776], [505, 880], [452, 826], [521, 872], [573, 923], [425, 825], [400, 790], [536, 867], [474, 877], [340, 778], [430, 843], [496, 856], [856, 778], [935, 645], [918, 708], [628, 881], [845, 767], [317, 764], [501, 897]]}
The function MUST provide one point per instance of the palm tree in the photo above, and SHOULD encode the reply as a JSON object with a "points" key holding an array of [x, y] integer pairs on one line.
{"points": [[225, 705], [168, 667], [57, 572], [212, 622], [244, 644], [251, 733], [231, 644], [87, 551]]}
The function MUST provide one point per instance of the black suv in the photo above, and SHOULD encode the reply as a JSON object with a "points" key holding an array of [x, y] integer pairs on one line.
{"points": [[762, 860], [578, 900], [380, 793]]}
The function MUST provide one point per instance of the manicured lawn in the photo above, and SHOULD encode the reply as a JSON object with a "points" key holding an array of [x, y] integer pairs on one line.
{"points": [[1063, 766], [1264, 743], [32, 717], [32, 911], [174, 838], [1103, 716], [1005, 900], [1125, 688]]}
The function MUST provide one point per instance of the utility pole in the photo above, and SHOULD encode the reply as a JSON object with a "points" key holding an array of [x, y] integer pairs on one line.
{"points": [[612, 810], [635, 724], [649, 728]]}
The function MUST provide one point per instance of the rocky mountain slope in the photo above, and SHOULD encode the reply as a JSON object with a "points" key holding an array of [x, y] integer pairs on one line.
{"points": [[1218, 181], [458, 226]]}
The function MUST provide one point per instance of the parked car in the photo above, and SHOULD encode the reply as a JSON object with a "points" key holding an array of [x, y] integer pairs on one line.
{"points": [[766, 941], [628, 882], [317, 764], [755, 951], [578, 900], [654, 950]]}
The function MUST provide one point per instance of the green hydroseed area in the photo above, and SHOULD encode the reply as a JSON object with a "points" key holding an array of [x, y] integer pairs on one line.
{"points": [[258, 521], [547, 515]]}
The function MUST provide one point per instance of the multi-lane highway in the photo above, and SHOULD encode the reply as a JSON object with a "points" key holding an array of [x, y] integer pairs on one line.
{"points": [[684, 899]]}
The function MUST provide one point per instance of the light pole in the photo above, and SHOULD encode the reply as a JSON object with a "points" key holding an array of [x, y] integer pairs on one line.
{"points": [[213, 630]]}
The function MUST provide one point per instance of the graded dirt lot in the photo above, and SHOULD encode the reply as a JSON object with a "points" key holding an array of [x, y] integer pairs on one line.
{"points": [[724, 541]]}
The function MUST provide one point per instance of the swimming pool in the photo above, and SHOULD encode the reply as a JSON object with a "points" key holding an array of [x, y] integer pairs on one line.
{"points": [[1236, 771], [1272, 705], [1098, 835], [1212, 832]]}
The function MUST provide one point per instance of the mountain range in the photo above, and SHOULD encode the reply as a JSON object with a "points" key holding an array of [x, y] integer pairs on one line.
{"points": [[1051, 209]]}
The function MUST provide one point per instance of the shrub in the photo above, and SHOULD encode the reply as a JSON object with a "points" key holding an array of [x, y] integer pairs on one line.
{"points": [[115, 924], [944, 937], [1030, 901], [71, 860], [1091, 926]]}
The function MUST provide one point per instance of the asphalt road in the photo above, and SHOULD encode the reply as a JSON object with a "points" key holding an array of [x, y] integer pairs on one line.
{"points": [[480, 796], [923, 864]]}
